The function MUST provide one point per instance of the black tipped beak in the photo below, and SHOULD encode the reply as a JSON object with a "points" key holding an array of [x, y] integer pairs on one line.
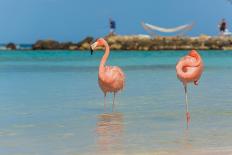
{"points": [[91, 50]]}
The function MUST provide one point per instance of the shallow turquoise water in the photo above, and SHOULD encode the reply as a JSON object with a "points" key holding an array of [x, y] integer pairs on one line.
{"points": [[50, 103]]}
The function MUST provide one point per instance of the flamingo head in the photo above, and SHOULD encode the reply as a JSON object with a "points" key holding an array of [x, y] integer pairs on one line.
{"points": [[193, 53], [99, 42]]}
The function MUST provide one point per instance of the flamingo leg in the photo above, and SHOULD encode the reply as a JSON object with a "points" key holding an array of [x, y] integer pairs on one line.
{"points": [[186, 106], [105, 102], [113, 102]]}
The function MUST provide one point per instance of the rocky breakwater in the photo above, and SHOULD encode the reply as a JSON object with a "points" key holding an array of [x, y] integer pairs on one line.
{"points": [[55, 45], [144, 43]]}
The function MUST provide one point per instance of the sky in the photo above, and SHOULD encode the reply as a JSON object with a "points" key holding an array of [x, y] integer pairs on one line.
{"points": [[25, 21]]}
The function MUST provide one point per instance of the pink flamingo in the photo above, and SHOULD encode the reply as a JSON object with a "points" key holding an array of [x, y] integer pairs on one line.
{"points": [[111, 79], [189, 69]]}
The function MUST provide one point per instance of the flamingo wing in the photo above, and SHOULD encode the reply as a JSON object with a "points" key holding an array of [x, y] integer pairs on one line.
{"points": [[113, 79], [112, 73], [187, 71], [119, 77]]}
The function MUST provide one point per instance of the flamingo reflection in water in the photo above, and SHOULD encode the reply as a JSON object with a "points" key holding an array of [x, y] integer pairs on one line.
{"points": [[109, 130]]}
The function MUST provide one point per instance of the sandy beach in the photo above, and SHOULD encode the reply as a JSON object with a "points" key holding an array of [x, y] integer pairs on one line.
{"points": [[208, 151]]}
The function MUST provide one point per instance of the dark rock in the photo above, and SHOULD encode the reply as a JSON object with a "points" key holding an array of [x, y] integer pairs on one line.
{"points": [[68, 46], [46, 45], [86, 40], [11, 46], [85, 43]]}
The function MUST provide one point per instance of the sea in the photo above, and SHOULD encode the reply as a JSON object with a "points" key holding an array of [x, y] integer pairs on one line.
{"points": [[51, 104]]}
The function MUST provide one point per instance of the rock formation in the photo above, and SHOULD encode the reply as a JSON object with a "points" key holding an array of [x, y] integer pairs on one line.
{"points": [[143, 42], [11, 46]]}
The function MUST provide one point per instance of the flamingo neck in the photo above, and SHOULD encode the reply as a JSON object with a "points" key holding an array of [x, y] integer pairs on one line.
{"points": [[198, 60], [105, 57]]}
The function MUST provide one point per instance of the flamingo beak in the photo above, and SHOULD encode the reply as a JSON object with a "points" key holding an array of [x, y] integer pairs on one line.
{"points": [[92, 47]]}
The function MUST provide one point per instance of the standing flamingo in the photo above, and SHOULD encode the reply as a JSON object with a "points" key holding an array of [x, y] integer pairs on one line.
{"points": [[111, 79], [189, 69]]}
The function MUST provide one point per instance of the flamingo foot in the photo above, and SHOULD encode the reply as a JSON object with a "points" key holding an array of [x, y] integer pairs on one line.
{"points": [[196, 82], [188, 118]]}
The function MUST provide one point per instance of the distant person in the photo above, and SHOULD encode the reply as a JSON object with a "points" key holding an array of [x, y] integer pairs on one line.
{"points": [[112, 26], [222, 26]]}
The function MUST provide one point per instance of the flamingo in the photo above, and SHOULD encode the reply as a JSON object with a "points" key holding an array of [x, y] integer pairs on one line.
{"points": [[189, 69], [111, 79]]}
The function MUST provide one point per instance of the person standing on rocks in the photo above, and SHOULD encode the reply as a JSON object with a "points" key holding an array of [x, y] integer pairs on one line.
{"points": [[222, 26], [112, 26]]}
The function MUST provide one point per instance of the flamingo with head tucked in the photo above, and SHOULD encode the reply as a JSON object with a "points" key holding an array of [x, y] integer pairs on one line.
{"points": [[189, 69], [111, 79]]}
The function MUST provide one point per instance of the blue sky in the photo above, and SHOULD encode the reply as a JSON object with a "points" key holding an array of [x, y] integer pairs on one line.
{"points": [[25, 21]]}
